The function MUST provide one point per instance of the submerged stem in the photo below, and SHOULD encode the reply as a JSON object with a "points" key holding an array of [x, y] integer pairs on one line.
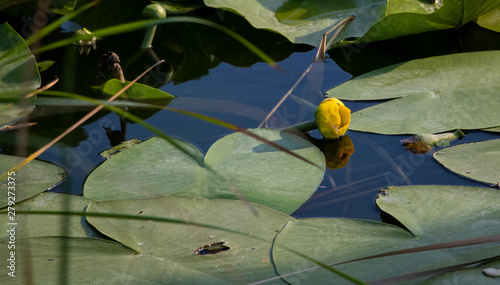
{"points": [[303, 127]]}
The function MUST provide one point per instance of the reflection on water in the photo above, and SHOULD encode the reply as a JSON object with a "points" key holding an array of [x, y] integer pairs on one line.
{"points": [[336, 151]]}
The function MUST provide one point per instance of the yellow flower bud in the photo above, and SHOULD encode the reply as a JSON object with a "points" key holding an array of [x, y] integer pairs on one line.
{"points": [[332, 118]]}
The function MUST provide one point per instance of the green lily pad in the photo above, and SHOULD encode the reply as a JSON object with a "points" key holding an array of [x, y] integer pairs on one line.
{"points": [[490, 20], [403, 18], [34, 178], [432, 95], [18, 76], [179, 7], [149, 169], [166, 250], [495, 129], [467, 276], [261, 173], [477, 161], [119, 148], [245, 260], [81, 261], [432, 215], [33, 225], [307, 21], [136, 92]]}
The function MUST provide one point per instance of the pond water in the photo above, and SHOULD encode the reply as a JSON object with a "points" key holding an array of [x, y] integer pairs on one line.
{"points": [[240, 94]]}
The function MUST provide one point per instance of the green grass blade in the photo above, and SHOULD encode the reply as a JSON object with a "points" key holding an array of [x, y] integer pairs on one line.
{"points": [[127, 116], [135, 119], [186, 222], [128, 27]]}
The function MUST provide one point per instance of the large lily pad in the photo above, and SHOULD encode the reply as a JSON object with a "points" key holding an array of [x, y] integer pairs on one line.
{"points": [[166, 250], [432, 215], [307, 21], [18, 75], [151, 168], [246, 259], [433, 95], [490, 20], [32, 179], [33, 225], [261, 173], [413, 17], [81, 261], [467, 276], [477, 161]]}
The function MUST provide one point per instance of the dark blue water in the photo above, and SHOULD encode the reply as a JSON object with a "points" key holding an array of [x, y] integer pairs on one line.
{"points": [[209, 81]]}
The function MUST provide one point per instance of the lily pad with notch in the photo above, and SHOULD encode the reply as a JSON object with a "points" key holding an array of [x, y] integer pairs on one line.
{"points": [[476, 161], [261, 173], [34, 225], [446, 226], [430, 95]]}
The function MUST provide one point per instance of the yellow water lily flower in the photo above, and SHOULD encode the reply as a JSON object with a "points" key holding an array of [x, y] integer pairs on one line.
{"points": [[332, 118]]}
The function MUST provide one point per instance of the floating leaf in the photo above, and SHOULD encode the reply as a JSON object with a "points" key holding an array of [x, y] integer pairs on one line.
{"points": [[433, 95], [403, 18], [264, 174], [32, 225], [490, 20], [496, 129], [167, 250], [307, 21], [80, 261], [246, 259], [477, 161], [151, 168], [432, 215], [34, 178], [18, 75], [136, 92], [119, 148], [474, 275], [260, 172]]}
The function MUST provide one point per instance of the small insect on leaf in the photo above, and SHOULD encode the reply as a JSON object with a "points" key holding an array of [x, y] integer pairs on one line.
{"points": [[212, 248]]}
